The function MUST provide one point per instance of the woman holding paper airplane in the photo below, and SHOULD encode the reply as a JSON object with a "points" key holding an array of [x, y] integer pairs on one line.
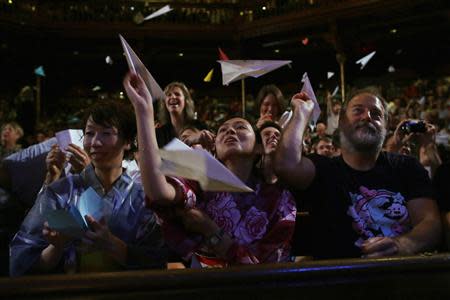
{"points": [[214, 228], [95, 220]]}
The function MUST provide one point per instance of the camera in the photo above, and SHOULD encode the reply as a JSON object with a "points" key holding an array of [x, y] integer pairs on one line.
{"points": [[414, 126]]}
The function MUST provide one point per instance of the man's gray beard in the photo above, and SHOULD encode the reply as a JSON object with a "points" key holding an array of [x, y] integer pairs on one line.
{"points": [[362, 142]]}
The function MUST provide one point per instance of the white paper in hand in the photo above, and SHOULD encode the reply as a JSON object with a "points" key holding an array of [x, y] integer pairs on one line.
{"points": [[307, 88], [136, 66], [90, 203], [196, 164], [69, 136], [68, 222]]}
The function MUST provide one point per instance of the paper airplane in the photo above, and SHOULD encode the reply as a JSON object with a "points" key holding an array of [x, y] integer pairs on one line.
{"points": [[39, 71], [197, 164], [222, 55], [391, 69], [96, 88], [163, 10], [208, 77], [71, 222], [233, 70], [336, 89], [421, 101], [285, 118], [307, 88], [136, 66], [69, 136], [363, 61], [330, 74]]}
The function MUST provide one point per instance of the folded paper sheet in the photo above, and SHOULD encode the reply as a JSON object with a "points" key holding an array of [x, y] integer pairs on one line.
{"points": [[307, 88], [196, 164], [363, 61], [69, 136], [71, 222], [233, 70], [136, 66]]}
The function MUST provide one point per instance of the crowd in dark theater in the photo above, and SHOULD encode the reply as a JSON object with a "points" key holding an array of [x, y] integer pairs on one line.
{"points": [[230, 149]]}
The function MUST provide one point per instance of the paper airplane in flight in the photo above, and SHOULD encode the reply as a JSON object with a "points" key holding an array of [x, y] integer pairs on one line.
{"points": [[233, 70], [363, 61], [330, 74]]}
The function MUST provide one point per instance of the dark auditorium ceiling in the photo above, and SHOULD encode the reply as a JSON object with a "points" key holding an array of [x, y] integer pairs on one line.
{"points": [[72, 38]]}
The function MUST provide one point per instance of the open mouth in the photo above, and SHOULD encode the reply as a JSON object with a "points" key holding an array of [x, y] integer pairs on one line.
{"points": [[230, 140]]}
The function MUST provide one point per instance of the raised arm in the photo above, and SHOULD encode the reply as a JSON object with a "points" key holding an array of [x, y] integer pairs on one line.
{"points": [[155, 184], [290, 166]]}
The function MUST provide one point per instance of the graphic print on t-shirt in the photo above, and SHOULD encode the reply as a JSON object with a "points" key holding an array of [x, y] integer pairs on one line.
{"points": [[378, 213]]}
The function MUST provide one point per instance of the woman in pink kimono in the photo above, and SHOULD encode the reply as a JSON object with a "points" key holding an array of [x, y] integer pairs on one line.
{"points": [[215, 228]]}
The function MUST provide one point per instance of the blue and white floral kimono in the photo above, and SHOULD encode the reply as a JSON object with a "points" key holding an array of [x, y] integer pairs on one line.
{"points": [[125, 213]]}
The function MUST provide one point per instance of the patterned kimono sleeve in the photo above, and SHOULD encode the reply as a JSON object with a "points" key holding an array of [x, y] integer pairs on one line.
{"points": [[28, 243], [177, 238], [272, 244]]}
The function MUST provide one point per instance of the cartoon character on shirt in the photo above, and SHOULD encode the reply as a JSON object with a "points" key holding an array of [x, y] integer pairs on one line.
{"points": [[378, 213]]}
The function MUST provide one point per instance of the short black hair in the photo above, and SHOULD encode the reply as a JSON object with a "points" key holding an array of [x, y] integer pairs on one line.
{"points": [[118, 114]]}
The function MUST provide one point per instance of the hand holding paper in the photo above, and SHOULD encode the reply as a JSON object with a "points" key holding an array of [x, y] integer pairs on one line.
{"points": [[307, 88], [136, 66], [71, 222], [69, 136]]}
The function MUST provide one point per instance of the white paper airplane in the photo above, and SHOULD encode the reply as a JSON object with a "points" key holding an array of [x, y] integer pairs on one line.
{"points": [[136, 66], [363, 61], [285, 118], [163, 10], [69, 136], [233, 70], [336, 89], [109, 60], [330, 74], [307, 88], [391, 69], [197, 164]]}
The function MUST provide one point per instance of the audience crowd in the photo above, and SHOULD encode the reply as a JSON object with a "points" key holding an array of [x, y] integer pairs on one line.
{"points": [[370, 177]]}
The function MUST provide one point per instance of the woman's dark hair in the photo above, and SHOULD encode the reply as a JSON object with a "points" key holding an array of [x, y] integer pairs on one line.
{"points": [[116, 114], [276, 92]]}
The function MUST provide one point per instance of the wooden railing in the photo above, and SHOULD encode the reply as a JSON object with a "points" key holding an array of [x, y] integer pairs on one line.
{"points": [[418, 277]]}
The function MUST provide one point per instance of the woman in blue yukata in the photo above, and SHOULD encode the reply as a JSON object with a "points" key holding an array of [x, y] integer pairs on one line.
{"points": [[124, 234], [215, 229]]}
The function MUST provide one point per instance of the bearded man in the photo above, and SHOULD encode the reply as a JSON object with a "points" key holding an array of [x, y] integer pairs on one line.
{"points": [[364, 202]]}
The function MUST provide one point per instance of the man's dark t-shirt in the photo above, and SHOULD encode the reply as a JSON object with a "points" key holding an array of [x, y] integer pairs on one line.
{"points": [[347, 206]]}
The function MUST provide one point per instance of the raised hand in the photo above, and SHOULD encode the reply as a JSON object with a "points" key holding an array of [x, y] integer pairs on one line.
{"points": [[79, 159], [302, 105], [55, 161], [138, 92]]}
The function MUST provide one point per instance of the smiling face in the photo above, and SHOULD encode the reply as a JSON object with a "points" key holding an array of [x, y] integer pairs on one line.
{"points": [[104, 145], [175, 100], [363, 127], [269, 107], [270, 137], [235, 137]]}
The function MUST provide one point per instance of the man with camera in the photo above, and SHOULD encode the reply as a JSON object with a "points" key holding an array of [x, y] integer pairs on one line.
{"points": [[365, 202], [417, 138]]}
